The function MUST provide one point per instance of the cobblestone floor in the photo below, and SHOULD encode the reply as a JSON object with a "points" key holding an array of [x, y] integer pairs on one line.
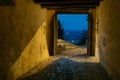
{"points": [[68, 67]]}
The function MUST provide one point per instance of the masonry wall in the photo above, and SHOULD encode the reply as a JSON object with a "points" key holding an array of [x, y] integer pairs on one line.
{"points": [[23, 40], [109, 36]]}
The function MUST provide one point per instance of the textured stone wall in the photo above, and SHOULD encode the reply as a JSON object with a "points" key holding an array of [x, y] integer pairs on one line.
{"points": [[109, 36], [23, 41]]}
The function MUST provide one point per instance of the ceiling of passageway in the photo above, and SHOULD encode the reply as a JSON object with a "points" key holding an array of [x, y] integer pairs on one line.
{"points": [[6, 2], [68, 4]]}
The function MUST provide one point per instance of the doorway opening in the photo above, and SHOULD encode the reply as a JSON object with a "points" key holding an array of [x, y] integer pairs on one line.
{"points": [[72, 32]]}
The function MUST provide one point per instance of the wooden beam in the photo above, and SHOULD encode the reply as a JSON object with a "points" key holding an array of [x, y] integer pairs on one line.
{"points": [[68, 6], [60, 4], [72, 11], [64, 1], [71, 5], [64, 8]]}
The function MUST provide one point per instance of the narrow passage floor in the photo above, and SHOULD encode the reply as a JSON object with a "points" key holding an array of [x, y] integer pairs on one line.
{"points": [[68, 66]]}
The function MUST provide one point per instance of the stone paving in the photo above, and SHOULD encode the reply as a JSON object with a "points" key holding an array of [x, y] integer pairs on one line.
{"points": [[68, 67]]}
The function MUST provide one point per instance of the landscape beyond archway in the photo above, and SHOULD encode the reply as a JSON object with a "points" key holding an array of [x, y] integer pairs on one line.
{"points": [[72, 34]]}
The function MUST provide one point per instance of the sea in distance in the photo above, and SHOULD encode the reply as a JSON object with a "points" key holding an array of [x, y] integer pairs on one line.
{"points": [[72, 36]]}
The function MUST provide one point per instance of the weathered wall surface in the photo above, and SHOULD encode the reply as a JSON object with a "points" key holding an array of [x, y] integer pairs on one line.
{"points": [[23, 41], [92, 30], [109, 36], [50, 32]]}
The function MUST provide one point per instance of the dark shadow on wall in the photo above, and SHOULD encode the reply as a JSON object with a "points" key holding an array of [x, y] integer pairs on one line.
{"points": [[14, 40], [67, 69], [6, 3], [12, 43], [18, 26], [50, 33]]}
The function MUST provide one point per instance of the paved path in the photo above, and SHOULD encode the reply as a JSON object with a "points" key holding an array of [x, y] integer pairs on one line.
{"points": [[68, 66]]}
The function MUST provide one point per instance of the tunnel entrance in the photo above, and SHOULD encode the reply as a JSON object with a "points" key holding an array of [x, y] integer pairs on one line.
{"points": [[72, 33], [91, 29]]}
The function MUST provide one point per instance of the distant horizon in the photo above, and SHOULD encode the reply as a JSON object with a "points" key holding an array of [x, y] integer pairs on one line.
{"points": [[74, 30]]}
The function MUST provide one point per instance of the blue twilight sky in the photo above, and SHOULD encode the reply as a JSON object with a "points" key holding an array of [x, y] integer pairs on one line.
{"points": [[74, 21]]}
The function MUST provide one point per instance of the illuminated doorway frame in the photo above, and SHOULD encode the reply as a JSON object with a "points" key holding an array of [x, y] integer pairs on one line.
{"points": [[91, 29]]}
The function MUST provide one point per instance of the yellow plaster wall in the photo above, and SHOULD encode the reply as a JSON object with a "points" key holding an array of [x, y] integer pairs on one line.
{"points": [[23, 41], [109, 36]]}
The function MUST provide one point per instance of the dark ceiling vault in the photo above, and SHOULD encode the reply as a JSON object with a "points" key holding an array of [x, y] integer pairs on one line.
{"points": [[62, 4], [6, 2]]}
